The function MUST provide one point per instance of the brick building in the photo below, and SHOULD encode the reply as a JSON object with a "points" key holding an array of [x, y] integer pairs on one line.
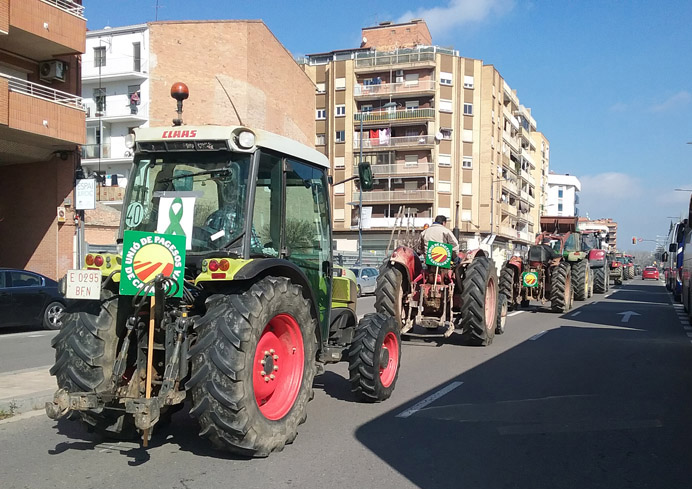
{"points": [[42, 124]]}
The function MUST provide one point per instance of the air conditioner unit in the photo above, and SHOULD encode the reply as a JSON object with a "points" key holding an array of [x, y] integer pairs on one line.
{"points": [[52, 70]]}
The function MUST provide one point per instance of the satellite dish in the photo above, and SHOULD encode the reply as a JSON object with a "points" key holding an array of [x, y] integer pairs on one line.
{"points": [[438, 136], [365, 39]]}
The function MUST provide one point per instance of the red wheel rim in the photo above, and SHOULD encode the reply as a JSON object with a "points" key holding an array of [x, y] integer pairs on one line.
{"points": [[278, 366], [388, 371], [490, 304]]}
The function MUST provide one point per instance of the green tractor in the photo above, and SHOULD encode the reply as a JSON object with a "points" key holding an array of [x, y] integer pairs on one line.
{"points": [[224, 294]]}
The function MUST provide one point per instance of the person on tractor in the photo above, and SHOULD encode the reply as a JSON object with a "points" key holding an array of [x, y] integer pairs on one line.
{"points": [[438, 232]]}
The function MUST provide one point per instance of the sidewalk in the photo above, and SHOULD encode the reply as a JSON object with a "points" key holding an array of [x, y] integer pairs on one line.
{"points": [[26, 390]]}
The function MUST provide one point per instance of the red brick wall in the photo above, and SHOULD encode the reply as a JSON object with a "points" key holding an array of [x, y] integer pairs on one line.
{"points": [[390, 37], [63, 28]]}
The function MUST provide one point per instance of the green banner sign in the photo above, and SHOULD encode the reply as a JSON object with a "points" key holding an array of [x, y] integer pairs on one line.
{"points": [[439, 254], [529, 279], [146, 255]]}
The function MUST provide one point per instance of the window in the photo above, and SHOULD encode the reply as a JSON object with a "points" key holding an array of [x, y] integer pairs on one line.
{"points": [[340, 110], [411, 79], [445, 160], [446, 133], [319, 140], [445, 105], [468, 109], [340, 84], [445, 78], [411, 160], [340, 136], [320, 114], [468, 83], [466, 189], [136, 56], [100, 99], [320, 87], [23, 279], [444, 187], [338, 214], [467, 162], [412, 104], [366, 108], [339, 162], [99, 56], [559, 207], [560, 193]]}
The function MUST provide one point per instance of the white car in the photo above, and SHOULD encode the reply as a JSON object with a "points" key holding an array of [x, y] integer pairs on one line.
{"points": [[366, 279]]}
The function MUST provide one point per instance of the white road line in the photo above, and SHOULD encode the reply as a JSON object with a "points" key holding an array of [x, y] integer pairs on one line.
{"points": [[577, 313], [687, 328], [514, 313], [536, 336], [431, 398], [35, 335], [689, 335]]}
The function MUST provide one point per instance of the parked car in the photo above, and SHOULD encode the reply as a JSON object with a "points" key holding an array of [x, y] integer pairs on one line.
{"points": [[650, 272], [29, 299], [366, 279]]}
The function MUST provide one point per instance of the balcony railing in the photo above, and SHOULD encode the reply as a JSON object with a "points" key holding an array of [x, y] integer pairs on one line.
{"points": [[379, 58], [510, 186], [400, 169], [509, 231], [117, 110], [528, 177], [395, 142], [40, 91], [91, 151], [393, 88], [512, 142], [508, 209], [67, 6], [396, 196], [394, 115], [389, 222]]}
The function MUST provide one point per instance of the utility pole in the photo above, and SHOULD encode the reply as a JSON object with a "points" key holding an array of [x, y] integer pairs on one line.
{"points": [[360, 199]]}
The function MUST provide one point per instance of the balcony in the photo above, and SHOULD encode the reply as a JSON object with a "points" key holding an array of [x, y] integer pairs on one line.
{"points": [[396, 196], [523, 236], [525, 134], [510, 186], [42, 29], [423, 56], [511, 141], [510, 232], [106, 152], [526, 154], [394, 116], [400, 169], [396, 142], [389, 222], [38, 120], [365, 92], [117, 113], [508, 209]]}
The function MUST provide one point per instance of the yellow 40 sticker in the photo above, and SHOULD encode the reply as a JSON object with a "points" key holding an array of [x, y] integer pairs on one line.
{"points": [[529, 279]]}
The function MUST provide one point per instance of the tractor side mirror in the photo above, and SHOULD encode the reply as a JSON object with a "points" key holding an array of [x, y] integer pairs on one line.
{"points": [[664, 256], [672, 247], [365, 176]]}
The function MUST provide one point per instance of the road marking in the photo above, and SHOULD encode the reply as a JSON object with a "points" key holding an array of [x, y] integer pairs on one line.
{"points": [[577, 313], [431, 398], [687, 328], [35, 335], [536, 336], [689, 335], [627, 315], [514, 313]]}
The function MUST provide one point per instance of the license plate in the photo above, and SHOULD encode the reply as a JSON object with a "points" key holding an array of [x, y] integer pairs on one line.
{"points": [[83, 284]]}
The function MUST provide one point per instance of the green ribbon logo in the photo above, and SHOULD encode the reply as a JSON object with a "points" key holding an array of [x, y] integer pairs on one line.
{"points": [[175, 217]]}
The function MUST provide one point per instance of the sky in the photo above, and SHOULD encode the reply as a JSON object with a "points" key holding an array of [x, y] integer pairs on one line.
{"points": [[609, 82]]}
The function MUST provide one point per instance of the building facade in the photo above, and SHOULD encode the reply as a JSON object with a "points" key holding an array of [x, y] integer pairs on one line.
{"points": [[444, 134], [42, 125], [562, 195]]}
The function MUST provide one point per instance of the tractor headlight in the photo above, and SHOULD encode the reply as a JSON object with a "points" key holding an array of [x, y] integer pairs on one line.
{"points": [[246, 139]]}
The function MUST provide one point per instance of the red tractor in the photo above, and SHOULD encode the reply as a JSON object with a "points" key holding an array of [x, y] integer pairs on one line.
{"points": [[439, 300], [593, 240]]}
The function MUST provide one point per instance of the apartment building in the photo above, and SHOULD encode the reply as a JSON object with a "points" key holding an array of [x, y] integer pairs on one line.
{"points": [[42, 124], [612, 229], [444, 134], [115, 89], [563, 195]]}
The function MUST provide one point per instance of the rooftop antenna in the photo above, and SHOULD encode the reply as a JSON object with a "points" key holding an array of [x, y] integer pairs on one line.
{"points": [[157, 10]]}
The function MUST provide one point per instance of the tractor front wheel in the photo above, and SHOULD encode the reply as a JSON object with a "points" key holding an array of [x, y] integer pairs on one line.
{"points": [[507, 285], [253, 365], [600, 280], [390, 295], [580, 280], [561, 288], [374, 357], [479, 302]]}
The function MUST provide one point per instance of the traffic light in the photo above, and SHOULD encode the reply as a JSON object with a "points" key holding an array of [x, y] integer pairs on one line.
{"points": [[634, 240], [365, 176]]}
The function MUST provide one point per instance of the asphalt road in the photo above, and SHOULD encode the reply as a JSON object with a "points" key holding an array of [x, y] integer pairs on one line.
{"points": [[596, 398]]}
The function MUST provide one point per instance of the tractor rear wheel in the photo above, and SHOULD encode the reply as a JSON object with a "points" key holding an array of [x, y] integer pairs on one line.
{"points": [[561, 288], [600, 281], [501, 318], [507, 286], [373, 359], [580, 280], [253, 365], [479, 302], [389, 294], [85, 352]]}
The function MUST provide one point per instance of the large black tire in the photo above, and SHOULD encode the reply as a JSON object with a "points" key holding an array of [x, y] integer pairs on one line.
{"points": [[580, 279], [389, 294], [226, 366], [561, 288], [479, 302], [501, 318], [374, 357], [85, 352], [507, 285], [52, 315], [600, 280]]}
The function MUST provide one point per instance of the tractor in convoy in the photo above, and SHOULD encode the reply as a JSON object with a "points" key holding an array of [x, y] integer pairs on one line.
{"points": [[594, 238], [438, 296], [616, 268], [222, 293], [545, 275]]}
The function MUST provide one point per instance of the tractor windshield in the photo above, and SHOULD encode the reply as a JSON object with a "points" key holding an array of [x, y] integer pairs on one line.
{"points": [[572, 243], [199, 195]]}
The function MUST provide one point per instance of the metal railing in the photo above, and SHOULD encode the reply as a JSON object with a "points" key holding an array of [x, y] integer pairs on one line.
{"points": [[393, 88], [394, 115], [395, 142], [396, 196], [400, 169], [508, 209], [67, 6], [91, 151], [379, 58], [117, 110], [24, 87]]}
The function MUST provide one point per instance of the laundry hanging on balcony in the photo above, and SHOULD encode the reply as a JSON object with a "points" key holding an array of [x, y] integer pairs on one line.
{"points": [[384, 136]]}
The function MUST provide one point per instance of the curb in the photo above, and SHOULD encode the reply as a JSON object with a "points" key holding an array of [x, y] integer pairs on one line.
{"points": [[32, 402]]}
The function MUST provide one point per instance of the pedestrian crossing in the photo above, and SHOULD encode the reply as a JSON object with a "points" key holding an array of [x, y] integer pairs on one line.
{"points": [[683, 318]]}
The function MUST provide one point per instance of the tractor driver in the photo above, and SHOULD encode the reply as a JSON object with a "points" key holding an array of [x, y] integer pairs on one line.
{"points": [[438, 232]]}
